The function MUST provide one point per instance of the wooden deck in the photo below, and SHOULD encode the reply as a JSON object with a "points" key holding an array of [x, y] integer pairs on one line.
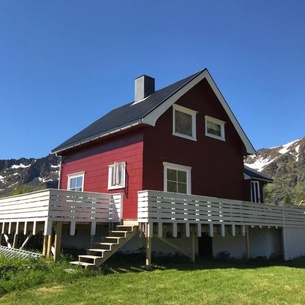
{"points": [[53, 205], [160, 208]]}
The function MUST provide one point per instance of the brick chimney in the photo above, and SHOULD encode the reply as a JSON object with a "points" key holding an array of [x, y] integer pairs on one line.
{"points": [[144, 86]]}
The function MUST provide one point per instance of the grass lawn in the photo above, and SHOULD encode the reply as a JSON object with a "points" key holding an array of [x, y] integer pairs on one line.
{"points": [[206, 282]]}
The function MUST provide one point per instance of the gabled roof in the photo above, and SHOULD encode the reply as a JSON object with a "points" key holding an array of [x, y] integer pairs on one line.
{"points": [[251, 173], [147, 112]]}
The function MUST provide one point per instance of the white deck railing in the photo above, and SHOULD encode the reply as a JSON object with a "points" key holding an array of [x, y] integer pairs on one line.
{"points": [[61, 205], [161, 207]]}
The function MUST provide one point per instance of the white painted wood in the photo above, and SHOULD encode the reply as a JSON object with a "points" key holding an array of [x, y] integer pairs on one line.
{"points": [[181, 208], [93, 228], [61, 205], [160, 229], [72, 228], [187, 229], [233, 230], [34, 227], [294, 242], [199, 231]]}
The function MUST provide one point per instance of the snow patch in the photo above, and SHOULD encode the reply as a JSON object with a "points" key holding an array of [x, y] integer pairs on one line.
{"points": [[285, 148], [297, 150], [260, 163], [21, 165], [2, 179], [44, 180], [54, 166]]}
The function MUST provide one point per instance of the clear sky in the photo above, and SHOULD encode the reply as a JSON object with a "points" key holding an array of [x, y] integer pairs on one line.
{"points": [[64, 64]]}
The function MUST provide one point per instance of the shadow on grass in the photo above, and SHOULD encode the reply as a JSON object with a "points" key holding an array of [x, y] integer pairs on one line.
{"points": [[135, 262]]}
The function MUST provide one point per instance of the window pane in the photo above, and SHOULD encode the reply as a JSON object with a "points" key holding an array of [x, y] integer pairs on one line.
{"points": [[171, 174], [182, 188], [76, 183], [182, 176], [116, 178], [214, 129], [183, 123], [172, 186]]}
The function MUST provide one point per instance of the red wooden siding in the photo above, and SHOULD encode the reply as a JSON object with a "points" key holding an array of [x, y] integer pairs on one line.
{"points": [[217, 166], [94, 161]]}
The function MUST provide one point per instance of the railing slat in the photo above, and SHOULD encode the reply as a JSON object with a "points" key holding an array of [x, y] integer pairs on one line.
{"points": [[157, 206]]}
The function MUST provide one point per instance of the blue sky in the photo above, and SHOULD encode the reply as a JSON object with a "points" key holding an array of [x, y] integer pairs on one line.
{"points": [[64, 64]]}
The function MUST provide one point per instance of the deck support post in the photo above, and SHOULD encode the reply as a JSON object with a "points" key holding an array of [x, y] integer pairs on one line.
{"points": [[1, 238], [15, 240], [45, 245], [49, 245], [247, 242], [26, 240], [57, 240], [193, 247], [148, 252]]}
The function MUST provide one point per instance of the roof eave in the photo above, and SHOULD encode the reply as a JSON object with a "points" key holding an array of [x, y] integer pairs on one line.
{"points": [[102, 135]]}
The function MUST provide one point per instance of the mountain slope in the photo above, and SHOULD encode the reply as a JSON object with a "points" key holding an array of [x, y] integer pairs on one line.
{"points": [[286, 165], [26, 175]]}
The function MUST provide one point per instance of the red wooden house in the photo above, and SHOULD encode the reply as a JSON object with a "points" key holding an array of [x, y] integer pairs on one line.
{"points": [[183, 138], [185, 131], [167, 169]]}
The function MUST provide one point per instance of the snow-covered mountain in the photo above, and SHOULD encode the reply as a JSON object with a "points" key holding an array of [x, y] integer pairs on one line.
{"points": [[286, 165], [17, 176]]}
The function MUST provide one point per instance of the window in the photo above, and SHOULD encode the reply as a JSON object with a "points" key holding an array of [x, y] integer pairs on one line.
{"points": [[116, 175], [255, 193], [177, 178], [214, 128], [184, 122], [76, 182]]}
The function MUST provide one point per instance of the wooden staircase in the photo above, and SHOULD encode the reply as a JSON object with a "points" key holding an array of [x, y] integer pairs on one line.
{"points": [[109, 245]]}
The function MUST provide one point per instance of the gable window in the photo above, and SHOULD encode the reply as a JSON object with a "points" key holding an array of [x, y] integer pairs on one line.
{"points": [[177, 178], [76, 182], [116, 175], [184, 122], [255, 192], [214, 128]]}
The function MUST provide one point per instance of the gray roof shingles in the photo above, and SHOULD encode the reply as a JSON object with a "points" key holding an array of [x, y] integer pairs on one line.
{"points": [[123, 116]]}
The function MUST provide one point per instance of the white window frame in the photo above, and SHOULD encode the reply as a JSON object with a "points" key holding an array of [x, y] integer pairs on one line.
{"points": [[218, 122], [116, 175], [190, 112], [187, 169], [255, 192], [75, 176]]}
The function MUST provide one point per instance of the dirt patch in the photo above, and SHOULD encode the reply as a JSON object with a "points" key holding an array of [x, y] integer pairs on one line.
{"points": [[50, 289]]}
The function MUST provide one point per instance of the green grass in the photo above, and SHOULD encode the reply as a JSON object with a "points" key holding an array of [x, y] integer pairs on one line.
{"points": [[207, 282]]}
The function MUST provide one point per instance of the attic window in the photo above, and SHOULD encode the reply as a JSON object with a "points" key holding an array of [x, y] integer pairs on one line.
{"points": [[214, 128], [116, 175], [184, 122]]}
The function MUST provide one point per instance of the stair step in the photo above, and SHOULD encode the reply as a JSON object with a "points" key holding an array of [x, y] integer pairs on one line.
{"points": [[96, 256], [89, 256], [105, 246], [118, 233], [117, 239], [96, 251], [128, 228], [84, 264]]}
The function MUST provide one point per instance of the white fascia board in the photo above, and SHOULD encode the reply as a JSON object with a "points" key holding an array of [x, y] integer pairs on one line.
{"points": [[152, 117]]}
